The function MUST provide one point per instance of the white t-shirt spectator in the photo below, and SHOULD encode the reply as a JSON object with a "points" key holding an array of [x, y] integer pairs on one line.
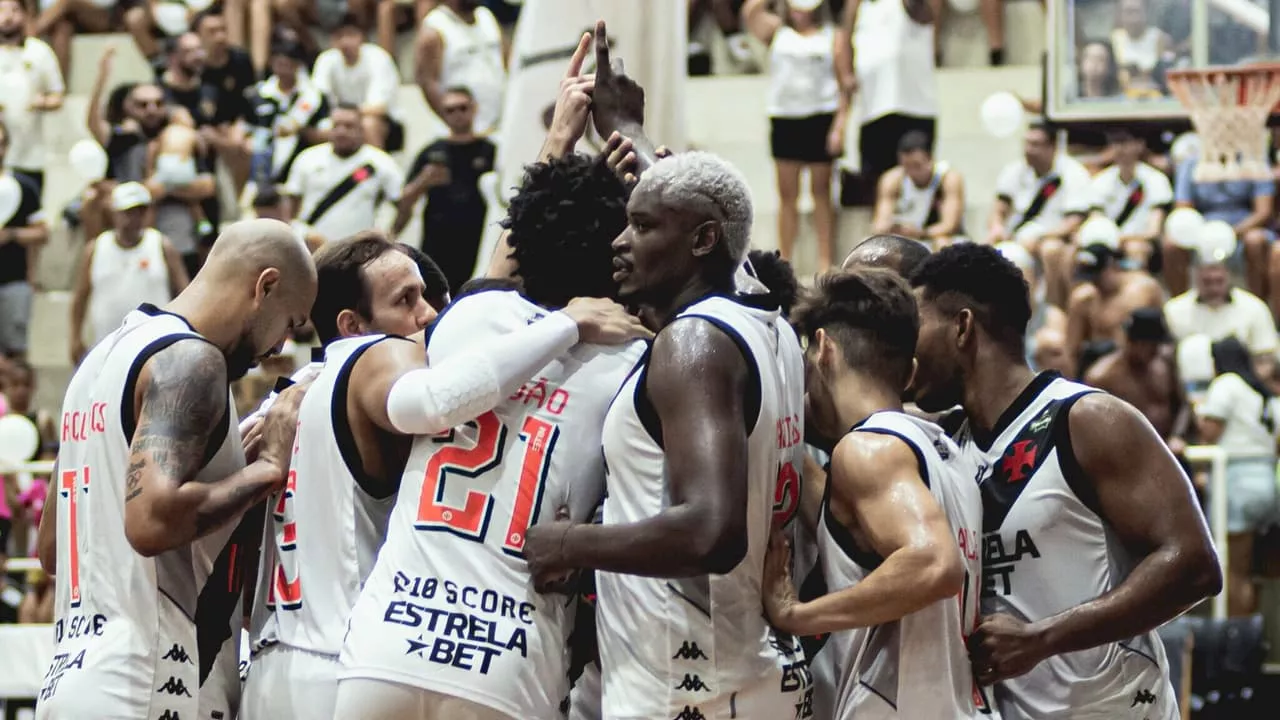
{"points": [[26, 72], [472, 59], [1240, 408], [894, 63], [337, 196], [1245, 316], [1018, 185], [1150, 190], [373, 80]]}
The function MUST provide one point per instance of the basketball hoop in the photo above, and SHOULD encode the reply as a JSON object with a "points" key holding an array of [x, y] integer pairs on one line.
{"points": [[1229, 107]]}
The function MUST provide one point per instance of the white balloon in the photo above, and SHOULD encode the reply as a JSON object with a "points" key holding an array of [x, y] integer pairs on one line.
{"points": [[1002, 114], [1099, 230], [1217, 241], [19, 439], [89, 160], [964, 6], [171, 17], [1016, 254], [1183, 227]]}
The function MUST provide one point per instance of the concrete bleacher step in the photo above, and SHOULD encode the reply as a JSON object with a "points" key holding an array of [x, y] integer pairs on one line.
{"points": [[964, 38], [86, 50]]}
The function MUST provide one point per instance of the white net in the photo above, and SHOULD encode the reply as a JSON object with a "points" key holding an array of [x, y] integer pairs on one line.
{"points": [[1230, 111]]}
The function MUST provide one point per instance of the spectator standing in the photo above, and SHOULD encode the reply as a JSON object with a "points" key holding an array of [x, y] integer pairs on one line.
{"points": [[22, 232], [122, 269], [59, 20], [334, 188], [1247, 206], [32, 86], [1041, 201], [288, 113], [919, 198], [807, 114], [893, 73], [1239, 414], [448, 172], [460, 45], [230, 70], [361, 74], [1133, 195], [1217, 310]]}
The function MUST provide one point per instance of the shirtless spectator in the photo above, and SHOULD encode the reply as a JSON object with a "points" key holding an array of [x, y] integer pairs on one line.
{"points": [[1106, 297], [1217, 310], [1247, 206], [1133, 195], [1041, 200], [920, 198], [460, 45], [1141, 372], [1046, 336]]}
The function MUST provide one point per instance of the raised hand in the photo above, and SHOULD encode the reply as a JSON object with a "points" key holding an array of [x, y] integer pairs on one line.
{"points": [[618, 101], [573, 104], [604, 322], [620, 157]]}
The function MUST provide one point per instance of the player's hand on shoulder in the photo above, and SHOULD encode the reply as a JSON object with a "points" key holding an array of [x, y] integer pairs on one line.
{"points": [[777, 589], [544, 554], [251, 436], [280, 427], [1004, 647], [604, 322]]}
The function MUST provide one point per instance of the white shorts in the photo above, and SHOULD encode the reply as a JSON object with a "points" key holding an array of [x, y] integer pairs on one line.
{"points": [[286, 683], [382, 700], [584, 698], [765, 700]]}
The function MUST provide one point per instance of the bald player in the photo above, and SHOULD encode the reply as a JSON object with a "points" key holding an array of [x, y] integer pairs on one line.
{"points": [[892, 252], [151, 479]]}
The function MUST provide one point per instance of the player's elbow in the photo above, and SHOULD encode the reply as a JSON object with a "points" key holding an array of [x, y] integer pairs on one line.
{"points": [[1202, 573], [146, 535], [719, 547], [942, 575]]}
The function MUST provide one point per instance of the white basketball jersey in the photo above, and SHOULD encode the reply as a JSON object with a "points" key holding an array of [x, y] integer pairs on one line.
{"points": [[919, 206], [125, 624], [450, 605], [323, 529], [123, 278], [885, 670], [1045, 551], [472, 59], [675, 646]]}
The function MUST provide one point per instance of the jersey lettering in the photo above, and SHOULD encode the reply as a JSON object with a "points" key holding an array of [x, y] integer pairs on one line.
{"points": [[471, 520], [70, 482], [786, 495], [285, 588]]}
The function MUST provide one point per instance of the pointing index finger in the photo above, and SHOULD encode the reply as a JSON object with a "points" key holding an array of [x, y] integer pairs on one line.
{"points": [[579, 56], [603, 68]]}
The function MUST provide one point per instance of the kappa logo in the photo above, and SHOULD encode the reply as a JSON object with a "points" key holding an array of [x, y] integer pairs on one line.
{"points": [[178, 654], [689, 651], [689, 713], [1143, 697], [174, 686], [170, 715], [1042, 422], [692, 683]]}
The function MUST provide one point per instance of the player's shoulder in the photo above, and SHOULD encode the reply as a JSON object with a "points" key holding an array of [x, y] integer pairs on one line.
{"points": [[871, 452]]}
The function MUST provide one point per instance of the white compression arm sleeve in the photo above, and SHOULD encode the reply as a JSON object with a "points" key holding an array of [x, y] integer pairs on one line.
{"points": [[463, 387]]}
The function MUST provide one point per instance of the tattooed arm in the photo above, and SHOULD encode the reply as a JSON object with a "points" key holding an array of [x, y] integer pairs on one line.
{"points": [[181, 397]]}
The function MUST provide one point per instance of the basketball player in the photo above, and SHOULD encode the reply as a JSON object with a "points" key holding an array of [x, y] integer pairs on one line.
{"points": [[152, 478], [698, 443], [898, 535], [1071, 479], [892, 252], [354, 434], [448, 625]]}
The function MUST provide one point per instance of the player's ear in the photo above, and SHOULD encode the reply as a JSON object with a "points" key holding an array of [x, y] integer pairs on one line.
{"points": [[911, 377], [707, 237], [349, 324], [965, 327], [825, 347], [268, 283]]}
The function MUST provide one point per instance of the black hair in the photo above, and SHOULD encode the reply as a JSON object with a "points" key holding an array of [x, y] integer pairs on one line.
{"points": [[214, 10], [349, 21], [777, 275], [341, 280], [915, 141], [23, 366], [871, 315], [563, 222], [436, 290], [114, 111], [1111, 82], [891, 252], [1231, 356], [978, 278], [1044, 126]]}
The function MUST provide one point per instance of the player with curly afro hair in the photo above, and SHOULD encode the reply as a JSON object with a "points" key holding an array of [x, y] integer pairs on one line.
{"points": [[562, 220]]}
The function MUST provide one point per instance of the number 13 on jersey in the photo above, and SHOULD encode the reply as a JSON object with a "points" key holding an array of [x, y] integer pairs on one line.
{"points": [[477, 467]]}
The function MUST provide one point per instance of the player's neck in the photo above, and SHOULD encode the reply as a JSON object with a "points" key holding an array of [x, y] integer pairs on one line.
{"points": [[995, 383], [858, 397], [1127, 171], [696, 289], [205, 310]]}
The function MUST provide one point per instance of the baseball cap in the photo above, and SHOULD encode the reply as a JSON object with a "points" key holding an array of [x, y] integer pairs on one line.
{"points": [[129, 195], [1096, 256]]}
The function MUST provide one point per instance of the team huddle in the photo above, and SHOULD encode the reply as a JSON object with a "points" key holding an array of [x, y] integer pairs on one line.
{"points": [[590, 485]]}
